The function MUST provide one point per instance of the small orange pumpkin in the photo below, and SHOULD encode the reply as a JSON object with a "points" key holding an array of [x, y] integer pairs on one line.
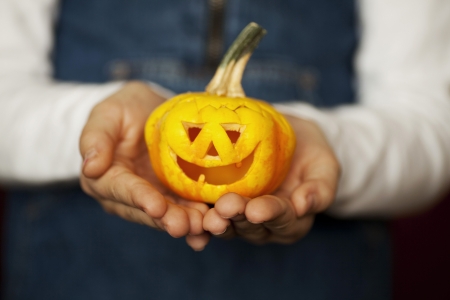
{"points": [[203, 145]]}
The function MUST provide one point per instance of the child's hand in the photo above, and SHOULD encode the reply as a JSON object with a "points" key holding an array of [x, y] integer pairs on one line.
{"points": [[288, 215], [260, 220], [117, 171]]}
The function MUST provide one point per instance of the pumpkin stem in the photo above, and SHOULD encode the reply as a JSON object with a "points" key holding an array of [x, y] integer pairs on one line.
{"points": [[228, 77]]}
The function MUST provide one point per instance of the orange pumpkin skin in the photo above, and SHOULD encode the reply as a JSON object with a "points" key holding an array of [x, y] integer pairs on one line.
{"points": [[203, 146]]}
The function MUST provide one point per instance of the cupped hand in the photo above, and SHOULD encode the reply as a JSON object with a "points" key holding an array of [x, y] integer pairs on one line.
{"points": [[118, 174], [265, 219], [288, 215]]}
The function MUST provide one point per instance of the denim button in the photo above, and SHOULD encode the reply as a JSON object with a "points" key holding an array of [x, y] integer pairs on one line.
{"points": [[120, 70], [308, 80]]}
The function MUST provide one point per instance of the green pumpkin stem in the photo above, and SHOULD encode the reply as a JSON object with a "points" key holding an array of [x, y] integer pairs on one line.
{"points": [[228, 77]]}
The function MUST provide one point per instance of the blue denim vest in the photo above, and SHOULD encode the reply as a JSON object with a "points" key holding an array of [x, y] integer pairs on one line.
{"points": [[61, 245], [307, 53]]}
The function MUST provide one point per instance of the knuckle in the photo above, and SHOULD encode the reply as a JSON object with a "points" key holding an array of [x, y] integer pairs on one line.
{"points": [[136, 85], [113, 189], [109, 106], [135, 198], [114, 193]]}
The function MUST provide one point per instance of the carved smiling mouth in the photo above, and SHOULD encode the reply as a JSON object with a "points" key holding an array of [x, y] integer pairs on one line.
{"points": [[217, 175]]}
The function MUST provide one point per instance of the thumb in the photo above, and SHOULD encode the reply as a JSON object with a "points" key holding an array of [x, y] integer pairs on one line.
{"points": [[317, 189], [98, 140]]}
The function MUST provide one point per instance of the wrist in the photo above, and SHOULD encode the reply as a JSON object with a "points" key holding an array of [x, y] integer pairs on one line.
{"points": [[144, 92]]}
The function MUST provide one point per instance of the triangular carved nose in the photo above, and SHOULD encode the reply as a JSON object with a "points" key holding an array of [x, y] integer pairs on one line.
{"points": [[212, 150]]}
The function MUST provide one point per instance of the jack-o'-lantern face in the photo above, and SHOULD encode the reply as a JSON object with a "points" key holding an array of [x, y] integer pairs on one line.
{"points": [[203, 146]]}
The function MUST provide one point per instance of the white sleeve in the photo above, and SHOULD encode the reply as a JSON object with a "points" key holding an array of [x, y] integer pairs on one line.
{"points": [[394, 146], [40, 119]]}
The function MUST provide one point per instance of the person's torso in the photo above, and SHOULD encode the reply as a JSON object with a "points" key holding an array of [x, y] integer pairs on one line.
{"points": [[61, 245], [307, 54]]}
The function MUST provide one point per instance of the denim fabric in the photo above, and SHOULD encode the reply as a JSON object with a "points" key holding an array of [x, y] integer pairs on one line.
{"points": [[64, 246], [61, 245], [307, 53]]}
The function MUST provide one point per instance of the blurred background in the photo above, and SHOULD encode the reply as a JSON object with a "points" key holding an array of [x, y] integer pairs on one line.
{"points": [[421, 254]]}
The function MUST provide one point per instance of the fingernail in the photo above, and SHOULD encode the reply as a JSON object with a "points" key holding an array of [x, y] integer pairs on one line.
{"points": [[214, 233], [198, 249], [255, 222], [229, 217], [89, 155]]}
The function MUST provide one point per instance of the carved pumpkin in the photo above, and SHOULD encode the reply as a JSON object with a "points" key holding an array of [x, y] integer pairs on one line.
{"points": [[203, 145]]}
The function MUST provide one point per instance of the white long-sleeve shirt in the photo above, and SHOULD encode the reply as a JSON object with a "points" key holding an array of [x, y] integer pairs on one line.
{"points": [[393, 146]]}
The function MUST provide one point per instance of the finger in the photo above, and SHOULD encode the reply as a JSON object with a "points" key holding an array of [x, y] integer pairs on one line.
{"points": [[214, 223], [200, 206], [256, 233], [318, 188], [195, 220], [195, 211], [129, 213], [278, 214], [282, 222], [297, 230], [228, 234], [233, 207], [98, 139], [121, 185], [176, 221], [264, 208], [198, 242]]}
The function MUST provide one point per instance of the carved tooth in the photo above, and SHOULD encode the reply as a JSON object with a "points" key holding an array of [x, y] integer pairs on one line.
{"points": [[201, 178], [172, 154], [239, 164]]}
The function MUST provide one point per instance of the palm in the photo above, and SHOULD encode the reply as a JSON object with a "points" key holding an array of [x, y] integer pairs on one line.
{"points": [[288, 215], [119, 175], [141, 166]]}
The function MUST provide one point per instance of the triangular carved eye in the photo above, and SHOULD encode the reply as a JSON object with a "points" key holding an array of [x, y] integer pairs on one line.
{"points": [[233, 131], [233, 136], [193, 133], [192, 130]]}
